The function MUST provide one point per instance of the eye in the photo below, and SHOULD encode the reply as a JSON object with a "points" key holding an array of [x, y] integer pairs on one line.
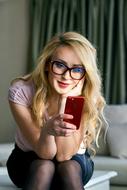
{"points": [[59, 65], [78, 70]]}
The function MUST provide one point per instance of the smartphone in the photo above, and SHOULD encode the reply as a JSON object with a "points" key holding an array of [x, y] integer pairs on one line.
{"points": [[74, 106]]}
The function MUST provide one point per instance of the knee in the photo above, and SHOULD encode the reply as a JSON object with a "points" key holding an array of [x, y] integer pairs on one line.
{"points": [[42, 166], [67, 168]]}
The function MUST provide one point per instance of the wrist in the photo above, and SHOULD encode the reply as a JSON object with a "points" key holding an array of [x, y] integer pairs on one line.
{"points": [[46, 130]]}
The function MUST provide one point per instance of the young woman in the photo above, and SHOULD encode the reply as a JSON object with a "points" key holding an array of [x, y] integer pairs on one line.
{"points": [[50, 153]]}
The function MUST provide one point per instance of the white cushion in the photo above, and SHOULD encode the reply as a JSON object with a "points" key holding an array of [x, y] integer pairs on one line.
{"points": [[117, 140], [116, 114], [5, 151], [5, 182]]}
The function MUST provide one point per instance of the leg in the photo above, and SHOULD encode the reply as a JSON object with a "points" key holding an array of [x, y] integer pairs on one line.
{"points": [[86, 164], [70, 174], [40, 175]]}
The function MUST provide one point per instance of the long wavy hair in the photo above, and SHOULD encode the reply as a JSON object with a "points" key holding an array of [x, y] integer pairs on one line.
{"points": [[93, 117]]}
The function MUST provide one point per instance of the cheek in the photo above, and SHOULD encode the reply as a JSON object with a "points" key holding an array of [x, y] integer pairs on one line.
{"points": [[52, 79], [79, 84], [52, 76]]}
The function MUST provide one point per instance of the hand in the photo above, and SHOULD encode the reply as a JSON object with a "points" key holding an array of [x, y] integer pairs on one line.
{"points": [[57, 127], [76, 91]]}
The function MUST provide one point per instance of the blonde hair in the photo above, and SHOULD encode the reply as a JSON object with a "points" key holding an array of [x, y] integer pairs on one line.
{"points": [[94, 101]]}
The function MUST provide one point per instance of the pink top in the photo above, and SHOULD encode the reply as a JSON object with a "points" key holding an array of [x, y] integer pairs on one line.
{"points": [[22, 92]]}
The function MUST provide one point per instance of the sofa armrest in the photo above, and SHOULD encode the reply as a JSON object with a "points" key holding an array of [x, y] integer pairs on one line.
{"points": [[115, 164], [5, 151]]}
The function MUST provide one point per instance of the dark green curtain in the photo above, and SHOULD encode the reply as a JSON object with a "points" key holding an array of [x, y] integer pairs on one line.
{"points": [[103, 22]]}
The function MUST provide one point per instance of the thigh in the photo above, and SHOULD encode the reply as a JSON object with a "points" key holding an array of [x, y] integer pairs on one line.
{"points": [[18, 165], [87, 167], [86, 164]]}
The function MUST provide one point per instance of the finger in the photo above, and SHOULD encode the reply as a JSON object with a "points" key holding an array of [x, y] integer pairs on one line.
{"points": [[67, 116], [67, 132], [59, 117], [67, 125], [62, 104], [64, 116]]}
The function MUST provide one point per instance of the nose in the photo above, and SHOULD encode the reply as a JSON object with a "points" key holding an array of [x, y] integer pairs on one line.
{"points": [[66, 75]]}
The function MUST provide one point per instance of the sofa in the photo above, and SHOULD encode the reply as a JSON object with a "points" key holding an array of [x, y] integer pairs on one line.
{"points": [[110, 155], [5, 182], [112, 151]]}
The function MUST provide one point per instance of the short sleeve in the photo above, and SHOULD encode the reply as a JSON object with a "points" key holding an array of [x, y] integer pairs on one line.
{"points": [[21, 93]]}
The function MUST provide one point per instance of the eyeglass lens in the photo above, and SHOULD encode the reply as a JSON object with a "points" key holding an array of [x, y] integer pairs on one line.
{"points": [[60, 68]]}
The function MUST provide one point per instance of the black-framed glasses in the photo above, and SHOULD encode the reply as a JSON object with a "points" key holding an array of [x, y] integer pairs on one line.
{"points": [[76, 72]]}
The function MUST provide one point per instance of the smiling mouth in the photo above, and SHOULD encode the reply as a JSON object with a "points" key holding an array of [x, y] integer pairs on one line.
{"points": [[63, 84]]}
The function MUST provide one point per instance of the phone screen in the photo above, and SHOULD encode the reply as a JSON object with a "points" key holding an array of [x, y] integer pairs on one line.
{"points": [[74, 106]]}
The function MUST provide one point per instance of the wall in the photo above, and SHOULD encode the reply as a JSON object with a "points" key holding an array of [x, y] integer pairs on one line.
{"points": [[14, 36]]}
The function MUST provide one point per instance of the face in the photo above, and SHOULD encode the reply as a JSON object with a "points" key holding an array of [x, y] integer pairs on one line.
{"points": [[63, 81]]}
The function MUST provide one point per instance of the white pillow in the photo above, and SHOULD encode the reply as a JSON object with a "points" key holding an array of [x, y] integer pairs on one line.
{"points": [[117, 140]]}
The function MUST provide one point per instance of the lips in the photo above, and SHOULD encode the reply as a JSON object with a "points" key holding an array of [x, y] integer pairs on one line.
{"points": [[63, 84]]}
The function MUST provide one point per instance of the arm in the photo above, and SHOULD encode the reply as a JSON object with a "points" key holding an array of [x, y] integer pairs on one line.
{"points": [[68, 146], [42, 142]]}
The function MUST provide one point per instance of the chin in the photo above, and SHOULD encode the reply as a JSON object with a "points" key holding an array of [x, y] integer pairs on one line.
{"points": [[62, 92]]}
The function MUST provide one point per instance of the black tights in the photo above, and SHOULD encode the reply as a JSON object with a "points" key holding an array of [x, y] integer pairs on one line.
{"points": [[41, 176]]}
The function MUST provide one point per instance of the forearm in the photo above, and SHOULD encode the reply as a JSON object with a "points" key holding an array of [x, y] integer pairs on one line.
{"points": [[66, 147], [46, 146]]}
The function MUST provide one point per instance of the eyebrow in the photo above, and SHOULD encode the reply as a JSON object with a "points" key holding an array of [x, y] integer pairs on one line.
{"points": [[64, 62]]}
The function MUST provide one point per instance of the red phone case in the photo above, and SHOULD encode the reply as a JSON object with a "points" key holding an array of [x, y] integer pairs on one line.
{"points": [[74, 106]]}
